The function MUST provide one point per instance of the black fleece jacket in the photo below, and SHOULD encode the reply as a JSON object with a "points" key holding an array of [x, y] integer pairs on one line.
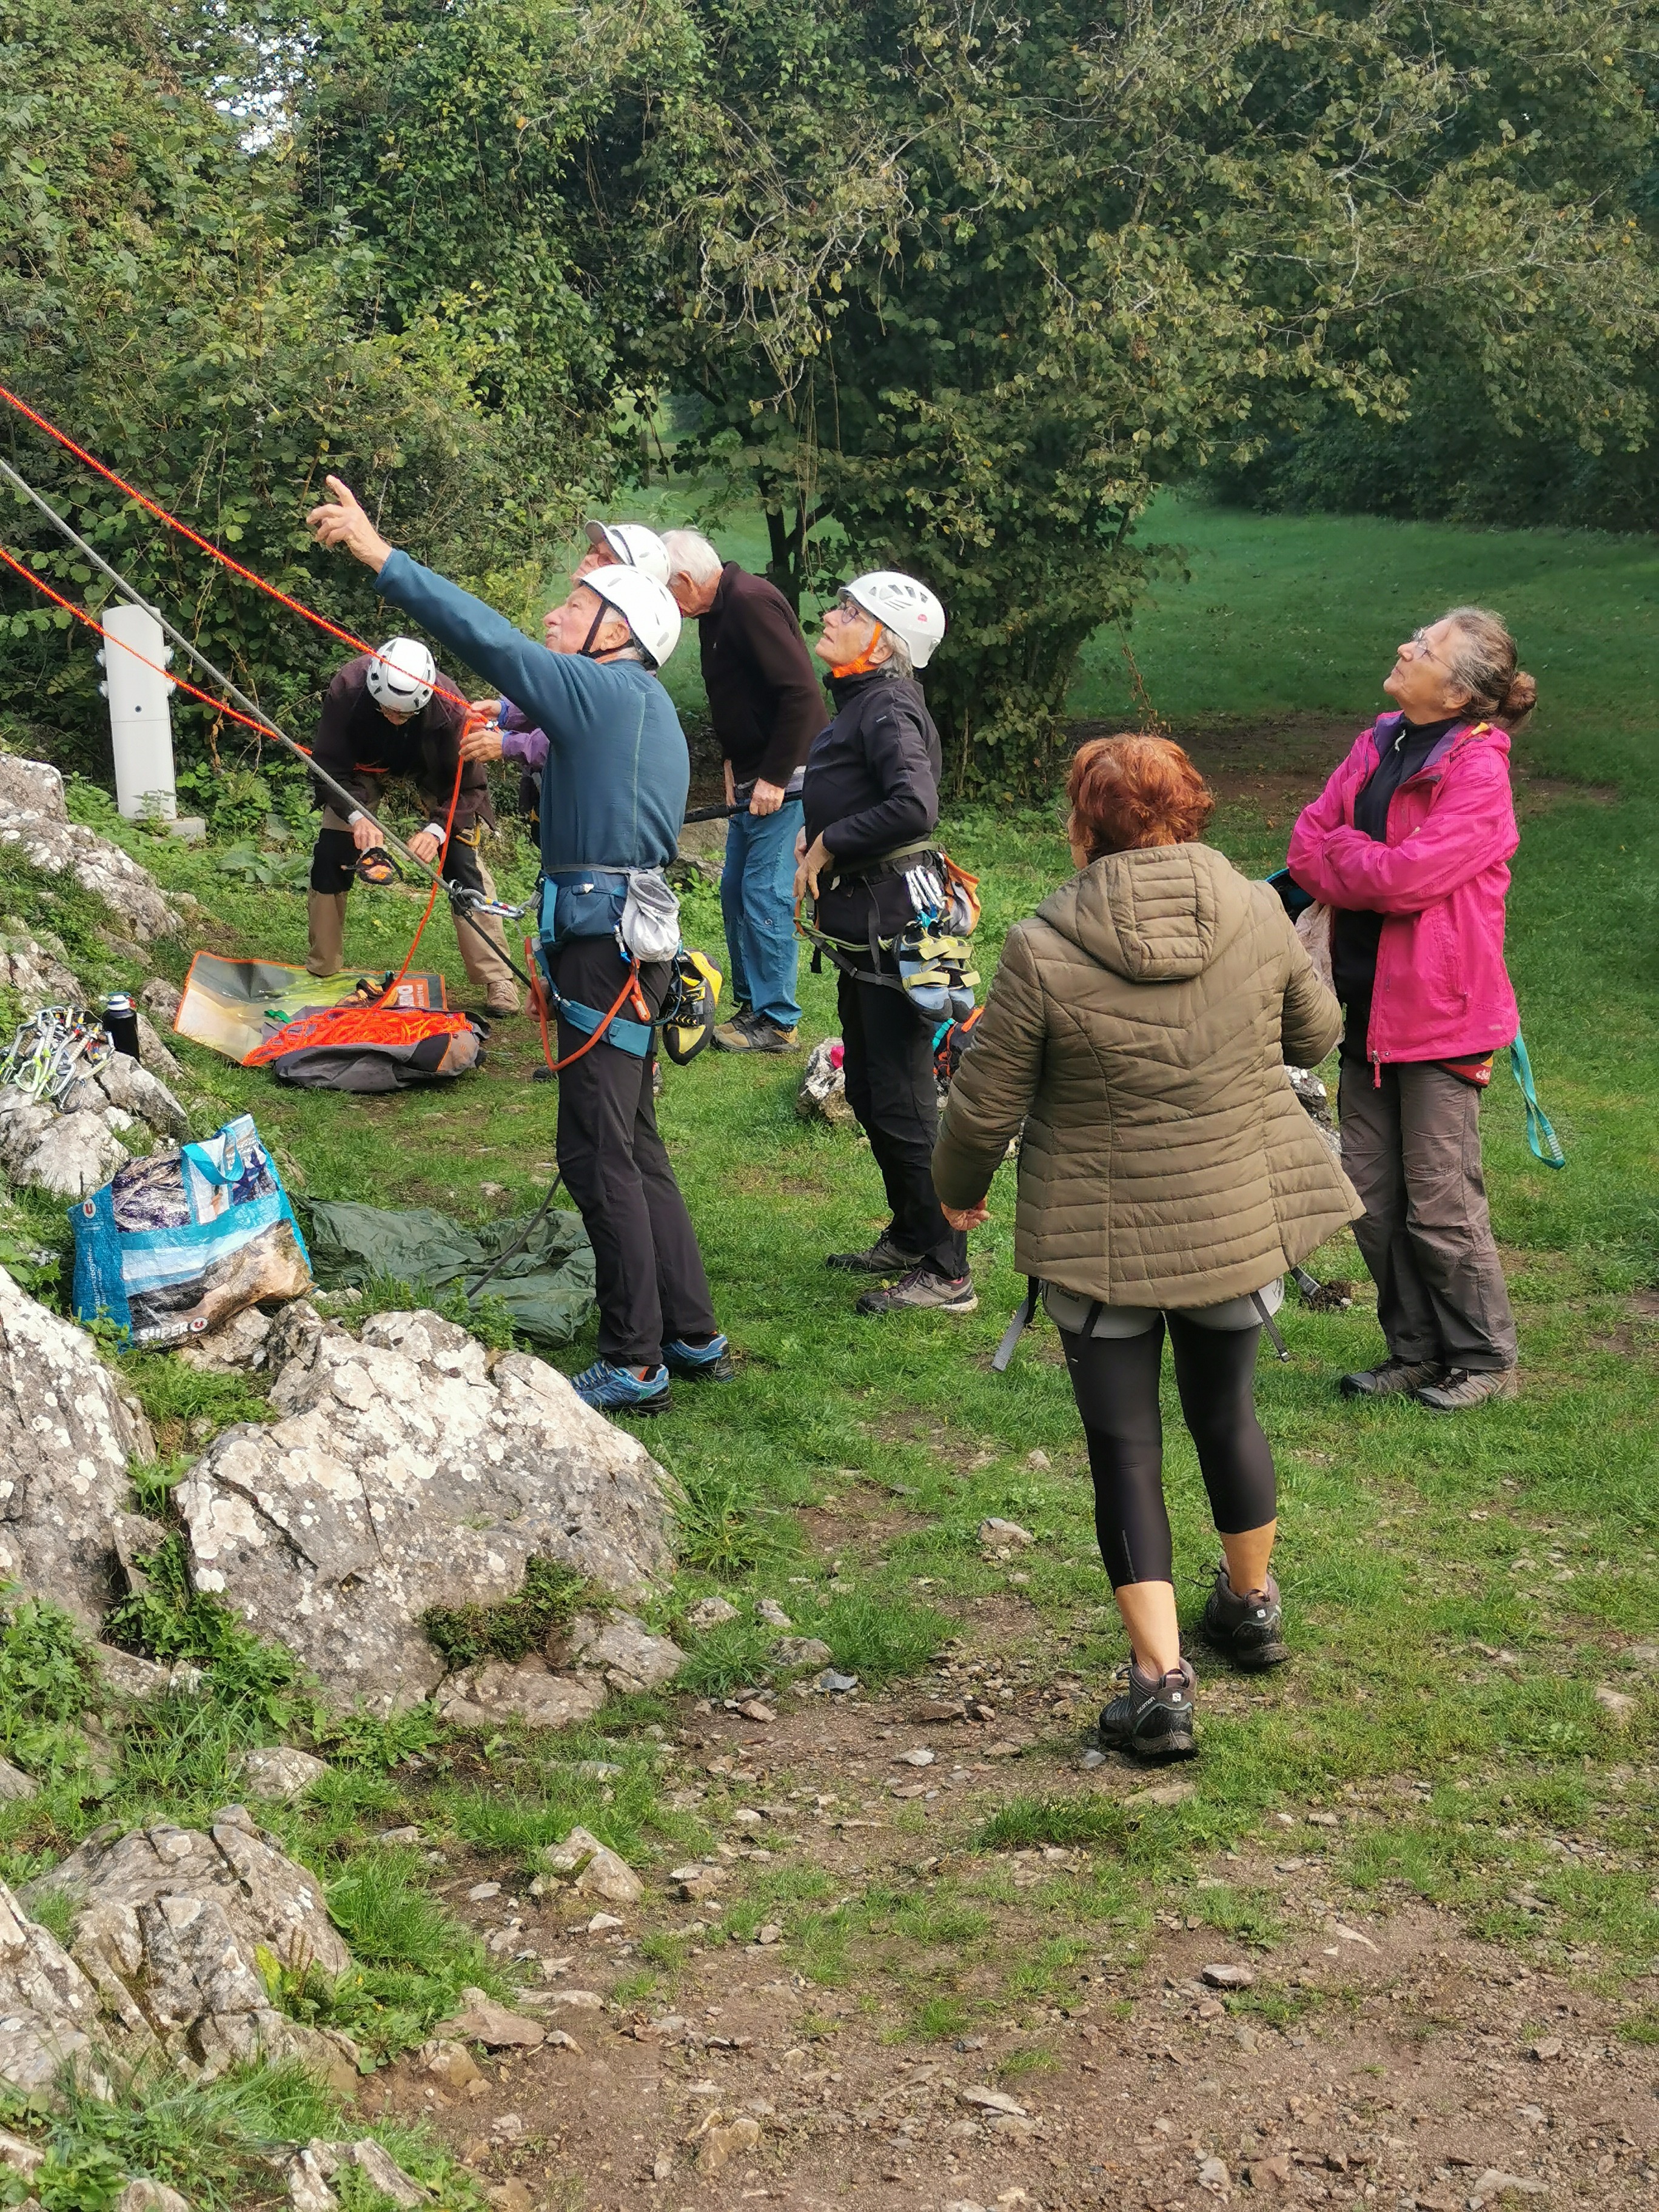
{"points": [[871, 787]]}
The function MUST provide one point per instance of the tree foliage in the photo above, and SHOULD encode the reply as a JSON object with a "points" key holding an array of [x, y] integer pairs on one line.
{"points": [[942, 286]]}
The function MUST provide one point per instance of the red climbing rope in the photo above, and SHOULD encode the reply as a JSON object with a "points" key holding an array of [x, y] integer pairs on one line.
{"points": [[214, 552]]}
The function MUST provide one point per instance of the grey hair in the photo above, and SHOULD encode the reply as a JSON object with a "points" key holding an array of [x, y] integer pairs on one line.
{"points": [[690, 554], [1483, 660], [898, 661]]}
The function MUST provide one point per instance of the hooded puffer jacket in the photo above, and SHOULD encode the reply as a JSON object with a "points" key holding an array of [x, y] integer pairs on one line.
{"points": [[1140, 1027]]}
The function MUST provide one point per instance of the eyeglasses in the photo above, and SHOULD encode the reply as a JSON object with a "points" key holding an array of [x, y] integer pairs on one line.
{"points": [[844, 603], [1419, 639]]}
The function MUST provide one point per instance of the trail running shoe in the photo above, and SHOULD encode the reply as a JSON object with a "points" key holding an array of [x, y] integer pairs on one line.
{"points": [[1153, 1718], [1459, 1388], [1250, 1630], [883, 1258], [611, 1390], [703, 1363], [922, 1288], [753, 1032], [1394, 1378]]}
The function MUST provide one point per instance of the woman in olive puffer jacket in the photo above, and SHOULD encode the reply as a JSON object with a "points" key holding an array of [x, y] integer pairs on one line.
{"points": [[1139, 1027]]}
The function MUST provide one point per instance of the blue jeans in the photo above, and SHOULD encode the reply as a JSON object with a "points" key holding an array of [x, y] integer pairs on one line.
{"points": [[757, 900]]}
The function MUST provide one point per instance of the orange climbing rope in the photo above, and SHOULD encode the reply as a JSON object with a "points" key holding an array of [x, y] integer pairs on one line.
{"points": [[206, 544]]}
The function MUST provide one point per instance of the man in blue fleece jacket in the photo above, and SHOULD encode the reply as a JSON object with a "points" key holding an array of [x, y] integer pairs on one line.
{"points": [[613, 795]]}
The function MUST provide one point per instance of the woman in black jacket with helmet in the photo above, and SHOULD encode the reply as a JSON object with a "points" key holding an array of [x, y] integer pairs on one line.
{"points": [[870, 806]]}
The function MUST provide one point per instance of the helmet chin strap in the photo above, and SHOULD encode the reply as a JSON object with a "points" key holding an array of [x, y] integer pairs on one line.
{"points": [[584, 650], [862, 663]]}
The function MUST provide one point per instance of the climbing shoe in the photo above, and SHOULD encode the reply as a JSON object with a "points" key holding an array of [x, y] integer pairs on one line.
{"points": [[883, 1258], [608, 1389], [1394, 1378], [1459, 1388], [1153, 1718], [703, 1363], [922, 1288], [1248, 1630]]}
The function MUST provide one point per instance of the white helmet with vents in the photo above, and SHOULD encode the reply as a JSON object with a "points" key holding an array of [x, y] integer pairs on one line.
{"points": [[647, 606], [401, 674], [631, 545], [900, 604]]}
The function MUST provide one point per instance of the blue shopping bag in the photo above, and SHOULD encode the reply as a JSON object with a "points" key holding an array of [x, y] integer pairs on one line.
{"points": [[176, 1243]]}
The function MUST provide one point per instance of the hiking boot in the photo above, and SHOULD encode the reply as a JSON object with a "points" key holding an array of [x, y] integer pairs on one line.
{"points": [[753, 1032], [1248, 1630], [922, 1287], [883, 1258], [501, 1000], [703, 1363], [1394, 1378], [1153, 1718], [1459, 1388], [608, 1389]]}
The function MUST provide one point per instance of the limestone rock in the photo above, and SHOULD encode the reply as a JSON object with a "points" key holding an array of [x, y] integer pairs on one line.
{"points": [[18, 2156], [73, 1156], [721, 2144], [801, 1651], [35, 969], [24, 1120], [630, 1658], [1001, 1537], [710, 1612], [482, 2020], [237, 1346], [409, 1472], [168, 1924], [32, 816], [66, 1433], [769, 1610], [153, 1055], [14, 1785], [127, 1083], [160, 998], [148, 2196], [822, 1093], [48, 2008], [486, 1695], [449, 2061], [278, 1771], [140, 1680], [381, 2170], [593, 1866], [307, 2184]]}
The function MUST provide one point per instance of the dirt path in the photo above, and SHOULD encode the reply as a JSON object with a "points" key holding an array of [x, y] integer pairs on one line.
{"points": [[1364, 2059]]}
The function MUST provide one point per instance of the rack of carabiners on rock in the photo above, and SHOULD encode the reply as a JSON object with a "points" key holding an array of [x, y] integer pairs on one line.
{"points": [[53, 1049]]}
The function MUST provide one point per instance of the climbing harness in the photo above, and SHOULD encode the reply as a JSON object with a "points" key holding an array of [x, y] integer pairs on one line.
{"points": [[932, 955], [52, 1050]]}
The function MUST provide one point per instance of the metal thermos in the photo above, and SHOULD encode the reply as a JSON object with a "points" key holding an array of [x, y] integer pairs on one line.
{"points": [[121, 1021]]}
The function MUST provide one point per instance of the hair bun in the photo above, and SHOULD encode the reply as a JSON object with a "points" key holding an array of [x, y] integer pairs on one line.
{"points": [[1523, 694]]}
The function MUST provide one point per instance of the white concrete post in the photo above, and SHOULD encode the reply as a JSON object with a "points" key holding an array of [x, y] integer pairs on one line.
{"points": [[140, 722]]}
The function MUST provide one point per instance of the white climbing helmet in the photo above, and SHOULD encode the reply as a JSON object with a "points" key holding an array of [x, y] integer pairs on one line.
{"points": [[401, 674], [632, 546], [647, 606], [908, 609]]}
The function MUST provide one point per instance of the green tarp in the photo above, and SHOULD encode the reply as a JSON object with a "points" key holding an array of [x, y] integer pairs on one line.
{"points": [[548, 1287]]}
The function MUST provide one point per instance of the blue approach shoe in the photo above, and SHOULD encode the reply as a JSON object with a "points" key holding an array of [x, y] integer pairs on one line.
{"points": [[702, 1363], [611, 1390]]}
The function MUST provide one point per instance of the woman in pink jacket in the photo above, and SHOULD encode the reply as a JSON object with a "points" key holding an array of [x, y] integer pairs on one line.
{"points": [[1409, 843]]}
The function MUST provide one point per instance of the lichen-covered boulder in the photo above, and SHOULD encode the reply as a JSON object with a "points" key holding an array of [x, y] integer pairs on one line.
{"points": [[33, 818], [411, 1469], [168, 1924], [48, 2008], [67, 1431]]}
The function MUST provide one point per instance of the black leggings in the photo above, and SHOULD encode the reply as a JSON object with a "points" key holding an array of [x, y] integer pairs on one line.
{"points": [[1115, 1381]]}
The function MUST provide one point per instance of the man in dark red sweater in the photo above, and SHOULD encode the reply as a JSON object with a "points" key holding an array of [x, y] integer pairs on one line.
{"points": [[766, 706]]}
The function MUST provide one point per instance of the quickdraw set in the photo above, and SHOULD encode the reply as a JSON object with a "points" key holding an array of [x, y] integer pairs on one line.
{"points": [[53, 1049]]}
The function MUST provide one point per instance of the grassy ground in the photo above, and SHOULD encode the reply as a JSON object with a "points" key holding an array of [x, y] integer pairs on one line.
{"points": [[1458, 1593]]}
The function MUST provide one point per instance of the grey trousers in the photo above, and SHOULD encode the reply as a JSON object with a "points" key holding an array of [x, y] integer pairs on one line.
{"points": [[1412, 1150]]}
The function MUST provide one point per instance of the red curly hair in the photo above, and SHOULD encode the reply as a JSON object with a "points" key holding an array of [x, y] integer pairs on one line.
{"points": [[1133, 790]]}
